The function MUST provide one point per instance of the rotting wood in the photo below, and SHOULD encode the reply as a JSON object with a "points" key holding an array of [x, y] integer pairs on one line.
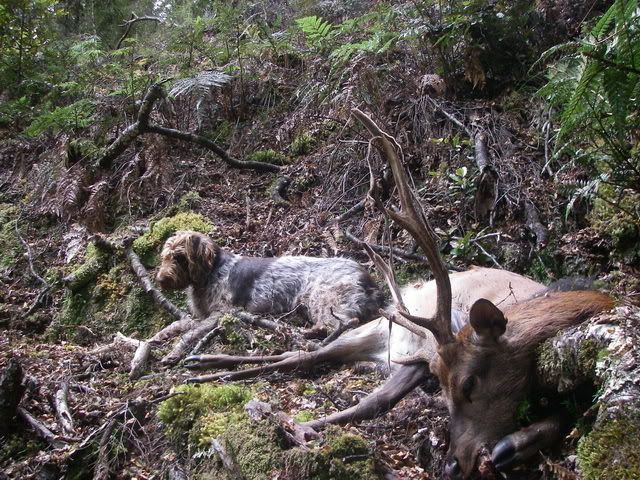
{"points": [[279, 190], [487, 184], [101, 471], [189, 339], [119, 342], [63, 413]]}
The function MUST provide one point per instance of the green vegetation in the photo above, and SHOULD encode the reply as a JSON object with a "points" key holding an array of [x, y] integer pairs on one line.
{"points": [[9, 243], [610, 451], [191, 409], [268, 156], [595, 85]]}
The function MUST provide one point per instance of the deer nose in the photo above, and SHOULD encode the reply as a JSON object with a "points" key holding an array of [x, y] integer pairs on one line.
{"points": [[452, 470]]}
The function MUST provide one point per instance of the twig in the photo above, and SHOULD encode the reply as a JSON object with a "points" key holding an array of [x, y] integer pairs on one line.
{"points": [[186, 342], [135, 19], [358, 207]]}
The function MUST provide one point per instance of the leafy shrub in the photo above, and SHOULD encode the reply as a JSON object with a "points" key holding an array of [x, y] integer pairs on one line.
{"points": [[268, 156], [596, 87]]}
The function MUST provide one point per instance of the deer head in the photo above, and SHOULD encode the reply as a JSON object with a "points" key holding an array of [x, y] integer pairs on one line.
{"points": [[484, 373]]}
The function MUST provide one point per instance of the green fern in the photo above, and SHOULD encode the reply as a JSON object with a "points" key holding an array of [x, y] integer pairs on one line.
{"points": [[316, 29], [202, 83], [77, 115]]}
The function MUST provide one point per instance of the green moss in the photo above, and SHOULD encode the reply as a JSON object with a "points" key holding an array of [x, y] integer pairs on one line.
{"points": [[189, 201], [10, 248], [344, 456], [553, 364], [268, 156], [622, 227], [147, 245], [610, 451], [181, 412], [302, 144], [303, 416], [83, 150], [96, 261], [232, 333]]}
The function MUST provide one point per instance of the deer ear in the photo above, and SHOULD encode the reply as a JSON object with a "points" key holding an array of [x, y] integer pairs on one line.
{"points": [[487, 320]]}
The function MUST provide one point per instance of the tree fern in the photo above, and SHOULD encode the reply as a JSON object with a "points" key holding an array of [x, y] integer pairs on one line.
{"points": [[200, 84]]}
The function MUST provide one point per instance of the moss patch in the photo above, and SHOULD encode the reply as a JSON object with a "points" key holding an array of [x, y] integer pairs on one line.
{"points": [[9, 243], [146, 246], [611, 451], [344, 456], [96, 260], [180, 414], [268, 156], [554, 365], [302, 145]]}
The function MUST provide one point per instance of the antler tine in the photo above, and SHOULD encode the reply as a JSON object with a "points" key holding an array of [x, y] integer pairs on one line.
{"points": [[413, 220]]}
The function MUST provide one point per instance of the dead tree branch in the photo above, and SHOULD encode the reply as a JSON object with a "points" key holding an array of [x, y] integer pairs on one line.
{"points": [[39, 428], [63, 413], [133, 20], [140, 360], [487, 183], [142, 125]]}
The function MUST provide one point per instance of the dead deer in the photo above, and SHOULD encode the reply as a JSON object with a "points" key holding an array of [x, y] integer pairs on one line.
{"points": [[484, 363]]}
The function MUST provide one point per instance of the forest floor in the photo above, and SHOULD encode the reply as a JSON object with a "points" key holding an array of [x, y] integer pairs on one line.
{"points": [[160, 178]]}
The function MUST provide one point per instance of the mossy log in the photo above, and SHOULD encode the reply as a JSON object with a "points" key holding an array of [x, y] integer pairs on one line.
{"points": [[605, 351]]}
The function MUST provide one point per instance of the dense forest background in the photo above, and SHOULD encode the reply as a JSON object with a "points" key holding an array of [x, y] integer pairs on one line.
{"points": [[122, 122]]}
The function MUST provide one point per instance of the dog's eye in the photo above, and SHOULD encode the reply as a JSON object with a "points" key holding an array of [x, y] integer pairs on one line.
{"points": [[467, 387]]}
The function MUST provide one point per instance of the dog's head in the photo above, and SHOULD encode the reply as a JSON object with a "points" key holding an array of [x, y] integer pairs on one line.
{"points": [[187, 259]]}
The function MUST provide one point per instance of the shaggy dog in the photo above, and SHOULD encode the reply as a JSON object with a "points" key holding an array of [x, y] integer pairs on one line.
{"points": [[333, 291]]}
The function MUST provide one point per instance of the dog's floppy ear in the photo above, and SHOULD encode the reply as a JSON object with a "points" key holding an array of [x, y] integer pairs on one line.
{"points": [[201, 255]]}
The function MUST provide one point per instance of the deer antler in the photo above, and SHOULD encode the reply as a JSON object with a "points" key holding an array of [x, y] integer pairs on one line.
{"points": [[412, 219]]}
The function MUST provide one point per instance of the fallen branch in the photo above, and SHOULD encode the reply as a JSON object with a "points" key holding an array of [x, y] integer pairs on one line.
{"points": [[188, 340], [173, 330], [101, 471], [119, 342], [140, 360], [61, 406], [296, 433], [279, 190], [227, 460], [204, 340], [39, 428]]}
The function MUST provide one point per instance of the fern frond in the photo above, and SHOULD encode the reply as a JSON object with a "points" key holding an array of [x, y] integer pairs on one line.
{"points": [[202, 83], [315, 28]]}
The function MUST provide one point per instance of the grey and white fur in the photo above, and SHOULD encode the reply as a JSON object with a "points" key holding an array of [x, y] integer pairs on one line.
{"points": [[330, 291]]}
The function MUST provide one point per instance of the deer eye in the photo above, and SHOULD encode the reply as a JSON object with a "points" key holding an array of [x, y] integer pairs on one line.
{"points": [[467, 388]]}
